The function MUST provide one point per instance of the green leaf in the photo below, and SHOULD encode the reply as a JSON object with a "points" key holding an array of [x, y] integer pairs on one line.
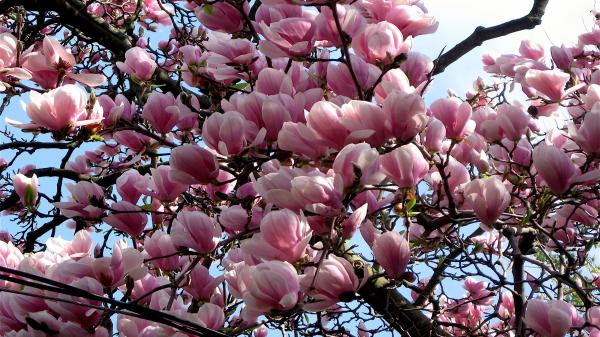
{"points": [[147, 207], [239, 86], [97, 138], [29, 196]]}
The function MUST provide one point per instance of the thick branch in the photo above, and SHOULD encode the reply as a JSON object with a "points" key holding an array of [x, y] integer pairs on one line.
{"points": [[482, 34], [402, 315]]}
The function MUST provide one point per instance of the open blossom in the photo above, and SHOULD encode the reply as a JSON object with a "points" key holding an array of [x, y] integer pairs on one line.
{"points": [[412, 20], [191, 164], [552, 319], [162, 251], [138, 63], [351, 22], [407, 114], [125, 262], [405, 166], [550, 84], [283, 236], [86, 197], [53, 61], [273, 285], [293, 36], [334, 281], [230, 133], [161, 111], [340, 80], [195, 230], [63, 108], [586, 136], [8, 59], [381, 42], [358, 156], [127, 217], [454, 113]]}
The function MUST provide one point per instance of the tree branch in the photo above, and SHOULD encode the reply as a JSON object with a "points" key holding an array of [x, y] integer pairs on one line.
{"points": [[402, 315], [482, 34], [74, 15]]}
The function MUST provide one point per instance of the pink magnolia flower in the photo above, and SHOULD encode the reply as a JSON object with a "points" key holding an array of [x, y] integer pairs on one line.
{"points": [[10, 257], [191, 164], [234, 218], [325, 119], [125, 262], [507, 306], [405, 166], [127, 186], [8, 59], [380, 42], [478, 292], [85, 199], [127, 218], [586, 136], [555, 167], [80, 247], [334, 281], [201, 284], [138, 63], [273, 285], [531, 50], [393, 80], [26, 188], [365, 120], [289, 37], [339, 78], [114, 110], [392, 252], [358, 156], [283, 236], [412, 20], [238, 51], [434, 135], [161, 111], [63, 108], [454, 113], [230, 133], [550, 84], [513, 121], [161, 250], [552, 319], [160, 185], [77, 313], [195, 230], [417, 67], [488, 198], [211, 316], [300, 139], [221, 16], [407, 114], [317, 194], [274, 81], [562, 57], [351, 22], [52, 62], [354, 221]]}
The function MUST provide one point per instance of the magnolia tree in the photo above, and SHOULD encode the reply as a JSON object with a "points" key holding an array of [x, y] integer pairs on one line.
{"points": [[224, 167]]}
